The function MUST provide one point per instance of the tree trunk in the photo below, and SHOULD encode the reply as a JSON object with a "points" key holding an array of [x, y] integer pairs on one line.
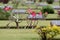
{"points": [[17, 25], [44, 36]]}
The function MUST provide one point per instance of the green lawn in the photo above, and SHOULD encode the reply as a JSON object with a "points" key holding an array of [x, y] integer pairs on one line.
{"points": [[24, 34], [24, 23], [18, 34]]}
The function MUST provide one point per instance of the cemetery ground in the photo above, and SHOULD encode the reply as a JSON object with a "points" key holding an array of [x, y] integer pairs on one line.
{"points": [[24, 34], [21, 34], [18, 34]]}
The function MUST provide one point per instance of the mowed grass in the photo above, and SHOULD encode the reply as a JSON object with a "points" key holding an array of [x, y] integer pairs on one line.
{"points": [[18, 34], [3, 23]]}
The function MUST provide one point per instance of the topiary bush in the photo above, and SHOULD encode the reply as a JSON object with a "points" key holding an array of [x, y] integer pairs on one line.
{"points": [[48, 9], [50, 1]]}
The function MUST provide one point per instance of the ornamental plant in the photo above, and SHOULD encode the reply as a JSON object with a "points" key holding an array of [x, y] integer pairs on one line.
{"points": [[48, 9], [49, 32], [4, 14]]}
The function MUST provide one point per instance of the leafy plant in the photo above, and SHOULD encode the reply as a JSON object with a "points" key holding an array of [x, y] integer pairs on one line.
{"points": [[4, 14], [48, 33], [48, 9]]}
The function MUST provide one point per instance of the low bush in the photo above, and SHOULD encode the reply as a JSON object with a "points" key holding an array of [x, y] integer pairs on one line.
{"points": [[48, 9], [4, 14], [49, 32]]}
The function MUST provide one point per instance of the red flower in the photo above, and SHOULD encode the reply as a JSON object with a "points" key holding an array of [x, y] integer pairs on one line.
{"points": [[33, 14], [7, 8]]}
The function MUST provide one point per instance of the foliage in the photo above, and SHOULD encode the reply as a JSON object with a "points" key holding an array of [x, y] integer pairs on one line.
{"points": [[50, 32], [50, 1], [48, 9], [4, 14]]}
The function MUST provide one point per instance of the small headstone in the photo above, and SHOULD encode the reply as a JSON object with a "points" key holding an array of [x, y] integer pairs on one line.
{"points": [[18, 11], [29, 2], [30, 17], [35, 17], [41, 4], [55, 22], [39, 16], [56, 7]]}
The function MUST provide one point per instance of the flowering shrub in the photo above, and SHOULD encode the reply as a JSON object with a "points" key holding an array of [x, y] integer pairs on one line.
{"points": [[4, 14], [48, 33]]}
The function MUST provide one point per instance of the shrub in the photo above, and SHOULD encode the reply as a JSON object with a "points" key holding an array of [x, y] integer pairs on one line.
{"points": [[48, 9], [50, 1], [4, 14], [48, 33]]}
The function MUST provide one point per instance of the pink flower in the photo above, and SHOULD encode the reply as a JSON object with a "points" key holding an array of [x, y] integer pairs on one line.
{"points": [[7, 8], [33, 14], [40, 13], [29, 10], [46, 13]]}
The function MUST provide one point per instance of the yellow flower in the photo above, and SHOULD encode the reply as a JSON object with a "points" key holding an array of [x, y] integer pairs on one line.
{"points": [[49, 36], [44, 29], [55, 27], [49, 28]]}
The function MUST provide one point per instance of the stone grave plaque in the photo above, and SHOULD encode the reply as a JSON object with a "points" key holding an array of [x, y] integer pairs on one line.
{"points": [[39, 16], [35, 17], [29, 2], [41, 4], [55, 22], [19, 11], [56, 7]]}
